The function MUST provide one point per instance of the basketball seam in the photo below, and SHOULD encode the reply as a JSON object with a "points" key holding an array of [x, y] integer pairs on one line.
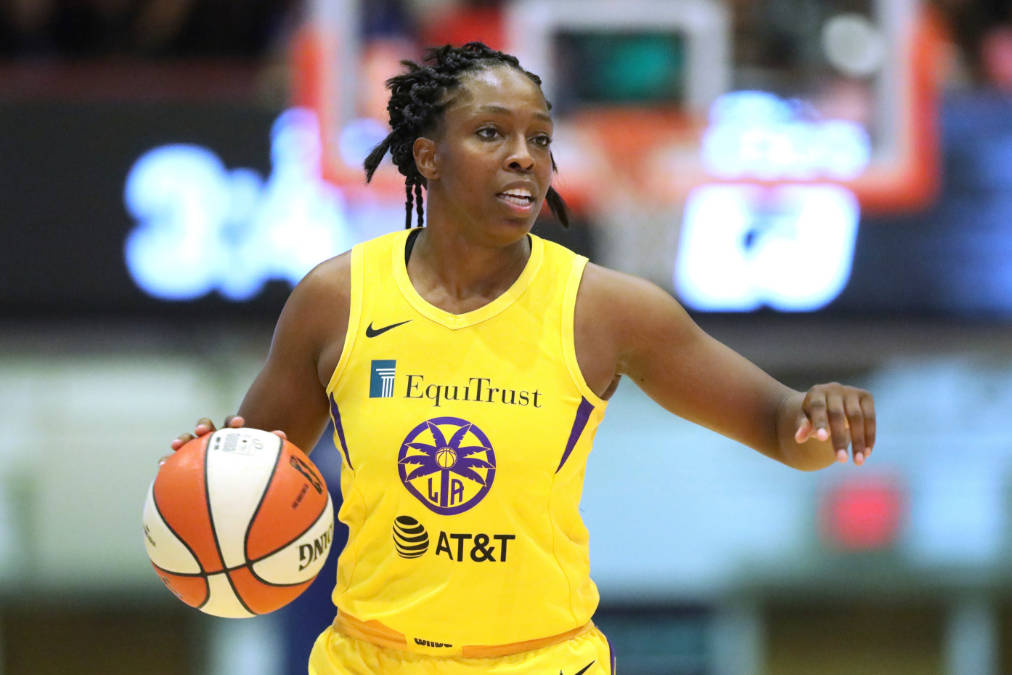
{"points": [[297, 536], [190, 575], [199, 575], [168, 526], [214, 531], [274, 584], [289, 543], [226, 571], [260, 503]]}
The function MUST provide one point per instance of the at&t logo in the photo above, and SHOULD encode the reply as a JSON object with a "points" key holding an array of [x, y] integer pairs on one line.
{"points": [[412, 541], [410, 538]]}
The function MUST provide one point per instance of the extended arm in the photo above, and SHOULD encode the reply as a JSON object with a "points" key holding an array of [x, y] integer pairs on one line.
{"points": [[650, 338]]}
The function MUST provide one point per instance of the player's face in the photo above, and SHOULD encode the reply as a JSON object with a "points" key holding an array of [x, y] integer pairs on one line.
{"points": [[492, 153]]}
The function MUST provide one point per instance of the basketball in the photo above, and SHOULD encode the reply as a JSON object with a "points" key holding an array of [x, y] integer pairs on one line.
{"points": [[238, 522]]}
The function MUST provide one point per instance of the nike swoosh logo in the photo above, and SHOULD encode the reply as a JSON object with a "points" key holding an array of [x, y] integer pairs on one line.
{"points": [[581, 671], [373, 332]]}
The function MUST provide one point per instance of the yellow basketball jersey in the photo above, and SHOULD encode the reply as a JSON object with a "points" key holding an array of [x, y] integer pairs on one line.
{"points": [[464, 440]]}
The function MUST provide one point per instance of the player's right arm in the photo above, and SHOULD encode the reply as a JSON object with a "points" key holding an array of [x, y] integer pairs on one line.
{"points": [[288, 395]]}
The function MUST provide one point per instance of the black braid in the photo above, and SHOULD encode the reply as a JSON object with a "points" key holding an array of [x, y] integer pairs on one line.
{"points": [[417, 100], [558, 206], [407, 206], [418, 205]]}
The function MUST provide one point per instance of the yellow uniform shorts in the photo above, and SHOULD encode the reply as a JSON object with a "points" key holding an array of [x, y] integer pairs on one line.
{"points": [[336, 653]]}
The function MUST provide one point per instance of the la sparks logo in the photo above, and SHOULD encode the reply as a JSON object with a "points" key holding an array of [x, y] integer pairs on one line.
{"points": [[447, 463]]}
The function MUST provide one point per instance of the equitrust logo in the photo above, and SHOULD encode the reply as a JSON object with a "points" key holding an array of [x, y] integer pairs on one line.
{"points": [[381, 378]]}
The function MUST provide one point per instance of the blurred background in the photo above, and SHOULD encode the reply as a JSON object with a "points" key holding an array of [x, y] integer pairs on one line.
{"points": [[825, 184]]}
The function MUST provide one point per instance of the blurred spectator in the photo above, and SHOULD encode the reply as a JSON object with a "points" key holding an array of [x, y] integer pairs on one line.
{"points": [[24, 26], [386, 19], [996, 57], [144, 28], [982, 30], [227, 27]]}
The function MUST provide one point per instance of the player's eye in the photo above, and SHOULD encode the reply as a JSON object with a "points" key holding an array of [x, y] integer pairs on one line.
{"points": [[488, 133], [542, 140]]}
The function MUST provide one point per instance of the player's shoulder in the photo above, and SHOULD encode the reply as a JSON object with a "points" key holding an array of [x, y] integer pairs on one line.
{"points": [[625, 304], [326, 287], [318, 307], [330, 277], [606, 285], [330, 281]]}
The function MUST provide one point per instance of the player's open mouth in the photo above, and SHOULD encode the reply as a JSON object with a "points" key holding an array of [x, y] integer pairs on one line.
{"points": [[519, 198]]}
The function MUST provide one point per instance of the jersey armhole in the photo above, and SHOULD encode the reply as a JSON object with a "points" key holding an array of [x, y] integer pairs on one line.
{"points": [[569, 332], [354, 316]]}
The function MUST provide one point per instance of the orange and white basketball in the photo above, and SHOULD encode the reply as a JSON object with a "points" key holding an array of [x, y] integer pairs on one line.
{"points": [[238, 522]]}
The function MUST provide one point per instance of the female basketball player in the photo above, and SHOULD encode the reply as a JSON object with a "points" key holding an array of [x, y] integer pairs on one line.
{"points": [[466, 365]]}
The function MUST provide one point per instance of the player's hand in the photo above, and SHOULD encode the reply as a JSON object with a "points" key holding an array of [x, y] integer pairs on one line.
{"points": [[205, 426], [841, 414]]}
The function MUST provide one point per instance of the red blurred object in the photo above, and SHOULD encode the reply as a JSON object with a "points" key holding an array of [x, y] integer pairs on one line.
{"points": [[482, 21], [862, 514]]}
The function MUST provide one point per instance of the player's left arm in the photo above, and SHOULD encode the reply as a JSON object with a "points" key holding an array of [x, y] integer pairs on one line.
{"points": [[658, 345]]}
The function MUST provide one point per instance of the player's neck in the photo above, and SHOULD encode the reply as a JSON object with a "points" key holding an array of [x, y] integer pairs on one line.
{"points": [[448, 268]]}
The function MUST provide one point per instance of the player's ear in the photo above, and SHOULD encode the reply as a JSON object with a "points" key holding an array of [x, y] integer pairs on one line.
{"points": [[424, 151]]}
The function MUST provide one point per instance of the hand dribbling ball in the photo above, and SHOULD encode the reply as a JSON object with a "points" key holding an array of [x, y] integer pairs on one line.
{"points": [[238, 522]]}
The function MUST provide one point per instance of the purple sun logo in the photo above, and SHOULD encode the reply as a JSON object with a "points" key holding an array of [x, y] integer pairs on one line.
{"points": [[448, 464]]}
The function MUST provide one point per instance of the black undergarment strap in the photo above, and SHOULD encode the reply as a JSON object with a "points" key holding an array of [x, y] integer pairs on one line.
{"points": [[410, 244]]}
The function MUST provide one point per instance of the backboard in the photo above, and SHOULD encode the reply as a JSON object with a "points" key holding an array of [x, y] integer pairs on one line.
{"points": [[654, 98]]}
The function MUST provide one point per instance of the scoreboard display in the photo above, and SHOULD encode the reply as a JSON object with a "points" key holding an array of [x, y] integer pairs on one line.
{"points": [[89, 189], [168, 209]]}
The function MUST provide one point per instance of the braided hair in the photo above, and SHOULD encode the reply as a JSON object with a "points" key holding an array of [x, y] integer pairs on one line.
{"points": [[418, 99]]}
